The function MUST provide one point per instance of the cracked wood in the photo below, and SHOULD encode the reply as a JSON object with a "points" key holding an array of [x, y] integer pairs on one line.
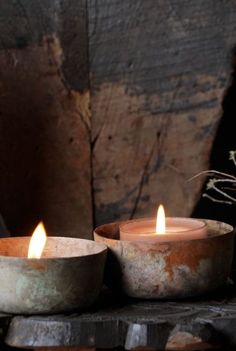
{"points": [[157, 68], [120, 322], [45, 117]]}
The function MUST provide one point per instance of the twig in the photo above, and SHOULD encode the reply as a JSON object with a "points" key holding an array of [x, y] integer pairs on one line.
{"points": [[225, 180], [213, 172], [232, 156], [223, 193], [222, 184], [217, 200], [228, 188]]}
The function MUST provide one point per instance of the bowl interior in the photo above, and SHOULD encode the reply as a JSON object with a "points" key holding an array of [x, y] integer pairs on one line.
{"points": [[55, 247], [112, 230]]}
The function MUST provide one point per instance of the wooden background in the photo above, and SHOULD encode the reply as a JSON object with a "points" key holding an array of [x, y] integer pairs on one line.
{"points": [[107, 107]]}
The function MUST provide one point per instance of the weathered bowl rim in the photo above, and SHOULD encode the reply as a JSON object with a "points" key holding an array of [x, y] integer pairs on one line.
{"points": [[102, 248], [230, 231], [157, 270]]}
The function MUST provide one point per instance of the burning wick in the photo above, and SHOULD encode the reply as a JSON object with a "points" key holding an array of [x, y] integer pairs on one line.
{"points": [[163, 229], [37, 241], [161, 221]]}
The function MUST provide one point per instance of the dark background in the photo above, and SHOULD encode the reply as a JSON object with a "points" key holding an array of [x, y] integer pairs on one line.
{"points": [[219, 160]]}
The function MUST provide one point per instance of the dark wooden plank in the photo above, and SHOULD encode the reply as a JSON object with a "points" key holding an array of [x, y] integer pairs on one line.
{"points": [[159, 70], [45, 119], [129, 323]]}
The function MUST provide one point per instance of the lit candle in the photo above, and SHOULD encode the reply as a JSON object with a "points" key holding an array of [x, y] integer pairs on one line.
{"points": [[44, 274], [163, 229], [37, 242]]}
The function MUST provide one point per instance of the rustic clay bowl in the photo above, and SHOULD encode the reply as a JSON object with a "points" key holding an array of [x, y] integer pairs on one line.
{"points": [[167, 270], [67, 277]]}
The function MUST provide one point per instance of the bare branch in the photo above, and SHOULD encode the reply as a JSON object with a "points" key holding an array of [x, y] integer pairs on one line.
{"points": [[228, 188], [217, 200], [224, 184], [214, 181], [232, 156], [212, 172], [223, 193]]}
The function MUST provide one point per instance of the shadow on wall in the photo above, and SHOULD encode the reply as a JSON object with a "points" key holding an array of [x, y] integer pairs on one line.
{"points": [[224, 142], [20, 151]]}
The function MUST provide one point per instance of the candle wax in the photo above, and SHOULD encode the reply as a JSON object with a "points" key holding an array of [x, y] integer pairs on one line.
{"points": [[177, 229]]}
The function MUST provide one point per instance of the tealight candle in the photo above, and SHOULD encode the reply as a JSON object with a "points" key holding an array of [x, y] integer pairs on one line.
{"points": [[49, 274], [163, 229]]}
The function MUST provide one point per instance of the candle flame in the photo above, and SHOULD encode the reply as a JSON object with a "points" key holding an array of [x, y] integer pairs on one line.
{"points": [[161, 221], [37, 241]]}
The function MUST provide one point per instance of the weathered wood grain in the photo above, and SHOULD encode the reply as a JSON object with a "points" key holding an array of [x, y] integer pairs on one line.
{"points": [[117, 322], [45, 119], [158, 71]]}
